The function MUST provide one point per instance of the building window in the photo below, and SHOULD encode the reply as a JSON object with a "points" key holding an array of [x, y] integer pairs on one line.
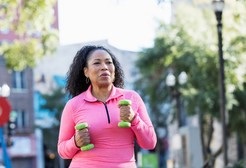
{"points": [[22, 119], [18, 80]]}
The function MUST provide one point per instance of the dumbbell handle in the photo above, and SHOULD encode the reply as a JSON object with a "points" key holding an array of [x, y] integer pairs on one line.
{"points": [[81, 126], [124, 124]]}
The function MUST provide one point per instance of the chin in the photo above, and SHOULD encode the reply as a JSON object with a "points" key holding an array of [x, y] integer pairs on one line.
{"points": [[107, 84]]}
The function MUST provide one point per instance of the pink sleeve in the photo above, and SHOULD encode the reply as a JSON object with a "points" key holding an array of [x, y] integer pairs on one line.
{"points": [[66, 145], [142, 126]]}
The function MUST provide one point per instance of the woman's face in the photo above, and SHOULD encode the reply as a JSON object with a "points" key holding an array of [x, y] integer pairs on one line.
{"points": [[100, 68]]}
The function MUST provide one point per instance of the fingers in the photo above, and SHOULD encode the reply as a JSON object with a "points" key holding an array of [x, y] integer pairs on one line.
{"points": [[126, 113], [82, 137]]}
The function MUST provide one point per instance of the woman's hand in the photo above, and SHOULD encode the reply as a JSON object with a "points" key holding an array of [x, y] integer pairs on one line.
{"points": [[126, 113], [82, 137]]}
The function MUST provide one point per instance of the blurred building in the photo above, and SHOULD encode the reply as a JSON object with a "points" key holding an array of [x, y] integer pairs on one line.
{"points": [[24, 149]]}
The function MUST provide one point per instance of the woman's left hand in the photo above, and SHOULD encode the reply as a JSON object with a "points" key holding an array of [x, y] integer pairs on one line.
{"points": [[126, 113]]}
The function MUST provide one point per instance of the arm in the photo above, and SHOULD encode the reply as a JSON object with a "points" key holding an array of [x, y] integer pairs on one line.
{"points": [[66, 145], [142, 126]]}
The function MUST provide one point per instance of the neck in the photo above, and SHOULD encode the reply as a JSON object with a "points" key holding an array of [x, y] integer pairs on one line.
{"points": [[101, 94]]}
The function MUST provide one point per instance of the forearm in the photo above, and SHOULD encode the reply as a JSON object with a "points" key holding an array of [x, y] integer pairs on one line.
{"points": [[145, 133], [67, 148]]}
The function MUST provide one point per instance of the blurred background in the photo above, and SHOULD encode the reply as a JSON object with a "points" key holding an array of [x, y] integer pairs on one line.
{"points": [[186, 58]]}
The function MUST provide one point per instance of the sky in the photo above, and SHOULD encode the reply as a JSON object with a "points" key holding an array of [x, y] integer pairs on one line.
{"points": [[126, 24]]}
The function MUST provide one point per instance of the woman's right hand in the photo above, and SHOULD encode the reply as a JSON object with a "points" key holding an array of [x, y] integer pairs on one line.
{"points": [[82, 137]]}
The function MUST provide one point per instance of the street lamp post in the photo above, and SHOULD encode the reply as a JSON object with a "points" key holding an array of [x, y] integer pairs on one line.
{"points": [[171, 82], [218, 6]]}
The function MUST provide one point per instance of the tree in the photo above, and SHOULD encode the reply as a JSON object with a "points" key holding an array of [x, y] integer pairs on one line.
{"points": [[31, 24], [190, 45]]}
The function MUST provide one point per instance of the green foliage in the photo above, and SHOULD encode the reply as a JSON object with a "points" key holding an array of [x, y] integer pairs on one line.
{"points": [[174, 50], [31, 23], [190, 44], [19, 54], [239, 164], [238, 114]]}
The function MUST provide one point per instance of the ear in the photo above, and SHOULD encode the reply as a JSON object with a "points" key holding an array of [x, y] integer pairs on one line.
{"points": [[86, 71]]}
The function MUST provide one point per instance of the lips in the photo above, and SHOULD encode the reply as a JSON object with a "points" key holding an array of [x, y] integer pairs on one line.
{"points": [[105, 75]]}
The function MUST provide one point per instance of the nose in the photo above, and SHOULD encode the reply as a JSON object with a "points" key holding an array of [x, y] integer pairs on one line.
{"points": [[104, 66]]}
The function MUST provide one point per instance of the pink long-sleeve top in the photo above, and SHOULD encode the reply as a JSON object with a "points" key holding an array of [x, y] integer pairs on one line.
{"points": [[114, 146]]}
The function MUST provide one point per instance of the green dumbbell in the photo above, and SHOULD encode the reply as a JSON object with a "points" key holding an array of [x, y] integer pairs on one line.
{"points": [[124, 124], [81, 126]]}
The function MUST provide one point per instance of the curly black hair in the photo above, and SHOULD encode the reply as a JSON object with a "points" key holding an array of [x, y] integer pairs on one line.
{"points": [[76, 79]]}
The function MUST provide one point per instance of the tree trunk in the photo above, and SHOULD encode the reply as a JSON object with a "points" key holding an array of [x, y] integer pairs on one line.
{"points": [[210, 134], [200, 118]]}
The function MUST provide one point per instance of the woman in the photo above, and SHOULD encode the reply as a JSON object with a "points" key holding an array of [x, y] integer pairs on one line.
{"points": [[95, 82]]}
